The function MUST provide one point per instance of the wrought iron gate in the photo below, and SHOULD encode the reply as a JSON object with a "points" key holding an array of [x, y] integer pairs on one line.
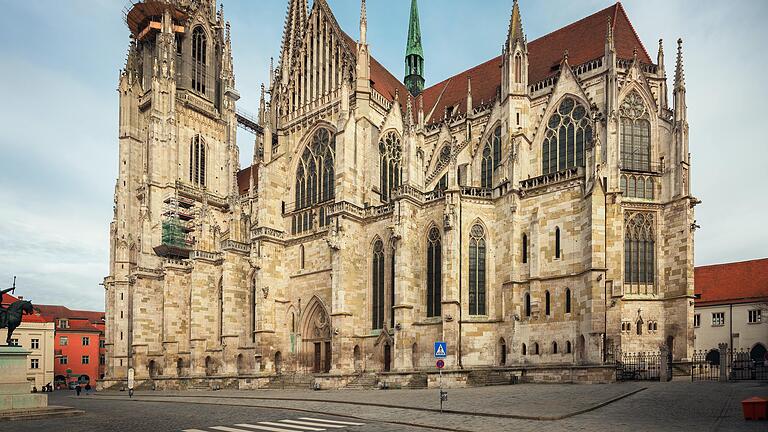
{"points": [[705, 366], [741, 366], [642, 366]]}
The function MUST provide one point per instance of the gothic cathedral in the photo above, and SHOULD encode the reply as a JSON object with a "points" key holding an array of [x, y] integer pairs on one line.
{"points": [[534, 210]]}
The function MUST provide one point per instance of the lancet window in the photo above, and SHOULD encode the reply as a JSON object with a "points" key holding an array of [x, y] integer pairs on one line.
{"points": [[390, 151]]}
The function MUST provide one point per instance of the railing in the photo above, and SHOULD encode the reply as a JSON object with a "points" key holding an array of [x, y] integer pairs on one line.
{"points": [[641, 166], [477, 192], [546, 82], [627, 63], [705, 365], [741, 366], [551, 178], [236, 245], [640, 366], [588, 66], [303, 220], [199, 254]]}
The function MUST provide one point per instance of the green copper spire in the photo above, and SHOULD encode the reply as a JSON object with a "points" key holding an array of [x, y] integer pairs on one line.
{"points": [[414, 54]]}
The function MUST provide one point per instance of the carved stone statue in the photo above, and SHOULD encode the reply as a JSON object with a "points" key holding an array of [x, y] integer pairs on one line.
{"points": [[11, 317]]}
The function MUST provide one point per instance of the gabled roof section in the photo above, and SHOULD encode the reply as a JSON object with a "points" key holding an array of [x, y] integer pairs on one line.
{"points": [[739, 282], [57, 312], [382, 80], [244, 179], [584, 40]]}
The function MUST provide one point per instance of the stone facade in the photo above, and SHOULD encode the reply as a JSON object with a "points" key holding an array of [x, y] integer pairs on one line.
{"points": [[315, 258]]}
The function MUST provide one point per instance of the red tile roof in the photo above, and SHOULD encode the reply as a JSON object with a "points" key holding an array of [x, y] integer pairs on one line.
{"points": [[244, 179], [584, 40], [8, 299], [740, 282], [382, 80], [56, 312]]}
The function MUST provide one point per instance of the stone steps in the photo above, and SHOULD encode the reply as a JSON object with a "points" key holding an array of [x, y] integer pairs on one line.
{"points": [[290, 381], [418, 381], [481, 378], [363, 382]]}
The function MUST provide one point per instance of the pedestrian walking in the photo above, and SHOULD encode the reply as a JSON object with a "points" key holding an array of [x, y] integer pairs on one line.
{"points": [[78, 389], [88, 389]]}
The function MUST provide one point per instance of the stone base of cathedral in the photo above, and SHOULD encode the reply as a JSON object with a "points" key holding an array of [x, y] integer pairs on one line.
{"points": [[459, 378]]}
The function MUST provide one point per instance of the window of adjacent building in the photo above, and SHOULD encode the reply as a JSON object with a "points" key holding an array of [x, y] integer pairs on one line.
{"points": [[377, 278], [102, 343], [755, 316], [63, 341], [63, 360], [15, 342], [491, 158], [35, 344], [86, 341], [102, 359], [390, 155], [697, 320], [434, 273], [639, 253], [86, 359], [635, 133], [63, 323], [477, 270], [197, 161], [567, 300], [557, 242], [199, 60], [569, 131], [34, 364], [718, 318]]}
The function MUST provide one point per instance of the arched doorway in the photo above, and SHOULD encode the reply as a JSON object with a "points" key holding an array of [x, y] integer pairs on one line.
{"points": [[316, 337], [502, 352], [179, 367], [387, 357], [152, 369], [357, 358], [757, 353], [713, 357], [278, 362], [210, 369]]}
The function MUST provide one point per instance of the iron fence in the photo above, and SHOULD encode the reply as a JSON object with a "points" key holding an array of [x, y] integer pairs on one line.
{"points": [[640, 366], [741, 366], [705, 365]]}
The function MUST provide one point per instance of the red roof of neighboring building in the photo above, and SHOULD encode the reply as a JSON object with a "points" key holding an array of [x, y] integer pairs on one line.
{"points": [[36, 317], [56, 312], [584, 40], [244, 179], [739, 282]]}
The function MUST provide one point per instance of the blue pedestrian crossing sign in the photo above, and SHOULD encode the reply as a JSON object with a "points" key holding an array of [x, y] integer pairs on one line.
{"points": [[441, 350]]}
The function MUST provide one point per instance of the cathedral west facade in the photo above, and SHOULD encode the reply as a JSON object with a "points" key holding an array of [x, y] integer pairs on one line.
{"points": [[532, 210]]}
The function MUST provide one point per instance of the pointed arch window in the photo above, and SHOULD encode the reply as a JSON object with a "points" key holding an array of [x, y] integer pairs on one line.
{"points": [[635, 133], [567, 300], [518, 68], [434, 273], [546, 303], [377, 278], [639, 251], [491, 158], [569, 131], [315, 175], [525, 248], [527, 304], [301, 257], [197, 161], [199, 59], [390, 152], [477, 274], [557, 242]]}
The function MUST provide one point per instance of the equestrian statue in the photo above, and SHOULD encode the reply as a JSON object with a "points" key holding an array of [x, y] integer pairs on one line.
{"points": [[11, 316]]}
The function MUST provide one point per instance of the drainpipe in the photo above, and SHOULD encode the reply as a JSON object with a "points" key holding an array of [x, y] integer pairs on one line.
{"points": [[461, 249], [730, 328]]}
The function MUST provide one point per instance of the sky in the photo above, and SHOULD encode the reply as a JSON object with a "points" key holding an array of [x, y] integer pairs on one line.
{"points": [[59, 68]]}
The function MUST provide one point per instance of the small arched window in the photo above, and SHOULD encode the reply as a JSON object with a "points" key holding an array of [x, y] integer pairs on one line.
{"points": [[554, 347], [301, 257], [525, 351], [525, 248], [377, 277], [527, 304], [197, 161], [199, 60], [518, 68], [536, 348], [569, 131], [434, 273], [567, 300], [567, 347], [639, 327], [390, 152], [635, 133], [557, 242], [546, 303], [477, 270]]}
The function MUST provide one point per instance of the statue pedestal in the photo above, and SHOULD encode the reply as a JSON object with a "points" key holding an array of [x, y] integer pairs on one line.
{"points": [[14, 387]]}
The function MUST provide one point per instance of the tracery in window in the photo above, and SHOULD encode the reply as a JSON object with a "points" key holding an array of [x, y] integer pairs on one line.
{"points": [[637, 186], [199, 59], [377, 279], [569, 131], [197, 161], [491, 158], [434, 273], [635, 133], [390, 152], [477, 270], [315, 175], [639, 251]]}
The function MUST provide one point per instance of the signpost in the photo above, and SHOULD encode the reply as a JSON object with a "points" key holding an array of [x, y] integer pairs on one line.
{"points": [[441, 352]]}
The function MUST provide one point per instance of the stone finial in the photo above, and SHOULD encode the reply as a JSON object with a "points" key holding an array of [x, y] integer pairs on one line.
{"points": [[679, 72]]}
